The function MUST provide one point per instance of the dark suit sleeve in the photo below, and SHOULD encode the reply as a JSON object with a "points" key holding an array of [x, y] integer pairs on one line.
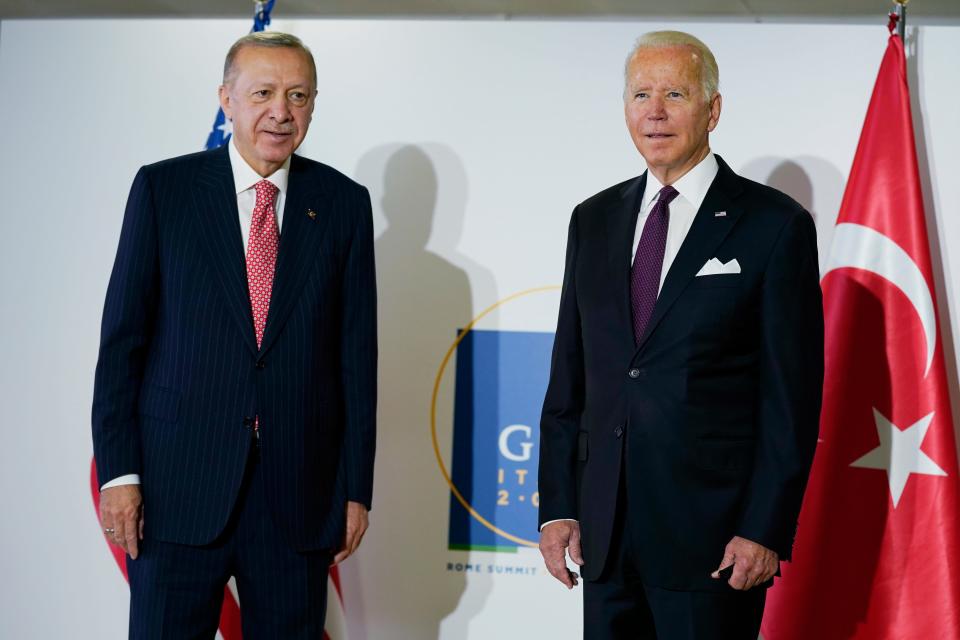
{"points": [[128, 317], [358, 356], [563, 404], [791, 386]]}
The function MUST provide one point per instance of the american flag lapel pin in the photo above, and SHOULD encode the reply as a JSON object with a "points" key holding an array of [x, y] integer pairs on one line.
{"points": [[719, 214], [311, 214]]}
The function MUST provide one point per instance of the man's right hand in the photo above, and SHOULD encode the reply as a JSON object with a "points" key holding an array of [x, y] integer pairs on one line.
{"points": [[558, 539], [121, 509]]}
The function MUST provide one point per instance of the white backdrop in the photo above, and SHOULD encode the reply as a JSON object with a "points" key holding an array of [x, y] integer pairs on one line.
{"points": [[476, 139]]}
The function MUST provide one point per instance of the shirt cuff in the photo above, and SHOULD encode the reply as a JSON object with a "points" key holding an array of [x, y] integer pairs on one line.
{"points": [[557, 520], [130, 478]]}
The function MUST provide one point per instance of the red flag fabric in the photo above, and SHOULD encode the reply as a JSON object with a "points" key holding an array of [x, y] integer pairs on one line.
{"points": [[877, 554]]}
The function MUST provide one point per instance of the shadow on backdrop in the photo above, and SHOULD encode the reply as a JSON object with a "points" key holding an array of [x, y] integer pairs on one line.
{"points": [[425, 291], [813, 182], [938, 258]]}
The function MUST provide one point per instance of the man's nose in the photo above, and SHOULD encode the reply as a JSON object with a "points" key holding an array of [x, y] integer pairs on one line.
{"points": [[280, 109], [656, 110]]}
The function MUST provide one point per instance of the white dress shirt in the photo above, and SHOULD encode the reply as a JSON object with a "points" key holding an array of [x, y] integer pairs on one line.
{"points": [[692, 188], [244, 181]]}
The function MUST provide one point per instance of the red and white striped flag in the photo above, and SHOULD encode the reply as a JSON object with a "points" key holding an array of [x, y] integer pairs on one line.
{"points": [[877, 554]]}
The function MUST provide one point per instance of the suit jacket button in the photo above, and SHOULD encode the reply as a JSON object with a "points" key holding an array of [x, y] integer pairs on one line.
{"points": [[261, 364], [634, 373], [618, 431]]}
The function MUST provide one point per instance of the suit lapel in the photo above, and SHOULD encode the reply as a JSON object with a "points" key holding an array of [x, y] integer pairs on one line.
{"points": [[215, 199], [300, 240], [621, 225], [705, 235]]}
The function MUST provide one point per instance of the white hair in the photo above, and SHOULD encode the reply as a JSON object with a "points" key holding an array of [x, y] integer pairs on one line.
{"points": [[709, 71]]}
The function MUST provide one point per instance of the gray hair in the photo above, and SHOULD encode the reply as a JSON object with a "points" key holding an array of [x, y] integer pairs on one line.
{"points": [[272, 39], [709, 71]]}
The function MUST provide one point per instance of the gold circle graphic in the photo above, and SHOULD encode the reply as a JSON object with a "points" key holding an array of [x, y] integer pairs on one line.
{"points": [[433, 415]]}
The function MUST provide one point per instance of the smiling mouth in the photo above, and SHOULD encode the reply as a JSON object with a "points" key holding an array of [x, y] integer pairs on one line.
{"points": [[279, 134], [658, 136]]}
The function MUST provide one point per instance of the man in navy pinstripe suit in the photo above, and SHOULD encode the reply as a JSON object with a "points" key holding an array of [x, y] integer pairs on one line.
{"points": [[234, 402]]}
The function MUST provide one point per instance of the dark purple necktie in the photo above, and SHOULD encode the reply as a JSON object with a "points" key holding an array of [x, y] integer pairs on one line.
{"points": [[648, 262]]}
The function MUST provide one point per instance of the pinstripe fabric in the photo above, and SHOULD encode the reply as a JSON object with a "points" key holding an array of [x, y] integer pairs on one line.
{"points": [[177, 590], [179, 374]]}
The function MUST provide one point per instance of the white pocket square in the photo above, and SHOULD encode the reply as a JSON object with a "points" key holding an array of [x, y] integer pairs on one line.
{"points": [[714, 267]]}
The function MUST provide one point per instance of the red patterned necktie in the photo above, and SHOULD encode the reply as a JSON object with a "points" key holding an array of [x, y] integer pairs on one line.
{"points": [[262, 254]]}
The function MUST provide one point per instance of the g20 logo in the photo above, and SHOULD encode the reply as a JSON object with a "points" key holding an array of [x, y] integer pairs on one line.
{"points": [[501, 378]]}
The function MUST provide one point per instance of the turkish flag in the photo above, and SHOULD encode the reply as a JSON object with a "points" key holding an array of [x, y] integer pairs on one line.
{"points": [[877, 553]]}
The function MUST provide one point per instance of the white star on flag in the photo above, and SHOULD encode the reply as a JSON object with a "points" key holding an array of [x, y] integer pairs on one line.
{"points": [[226, 127], [899, 453]]}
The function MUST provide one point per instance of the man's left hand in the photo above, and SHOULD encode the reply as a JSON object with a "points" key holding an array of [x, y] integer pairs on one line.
{"points": [[357, 523], [753, 563]]}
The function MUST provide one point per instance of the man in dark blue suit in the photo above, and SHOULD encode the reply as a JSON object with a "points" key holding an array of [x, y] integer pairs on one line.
{"points": [[681, 417], [235, 394]]}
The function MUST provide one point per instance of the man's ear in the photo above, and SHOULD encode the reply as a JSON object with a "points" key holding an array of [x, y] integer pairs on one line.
{"points": [[715, 104], [224, 95]]}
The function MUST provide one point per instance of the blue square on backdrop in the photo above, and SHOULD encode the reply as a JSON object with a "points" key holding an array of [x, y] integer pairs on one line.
{"points": [[501, 379]]}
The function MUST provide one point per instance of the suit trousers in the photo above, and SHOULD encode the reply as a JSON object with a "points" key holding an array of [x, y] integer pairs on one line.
{"points": [[176, 591], [619, 606]]}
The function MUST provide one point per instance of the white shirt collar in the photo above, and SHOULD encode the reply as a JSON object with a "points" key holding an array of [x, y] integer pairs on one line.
{"points": [[692, 186], [244, 177]]}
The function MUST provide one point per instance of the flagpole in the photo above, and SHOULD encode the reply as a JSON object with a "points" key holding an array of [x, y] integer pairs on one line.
{"points": [[900, 9]]}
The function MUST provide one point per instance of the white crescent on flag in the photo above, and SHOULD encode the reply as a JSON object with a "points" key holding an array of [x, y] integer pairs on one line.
{"points": [[859, 247]]}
